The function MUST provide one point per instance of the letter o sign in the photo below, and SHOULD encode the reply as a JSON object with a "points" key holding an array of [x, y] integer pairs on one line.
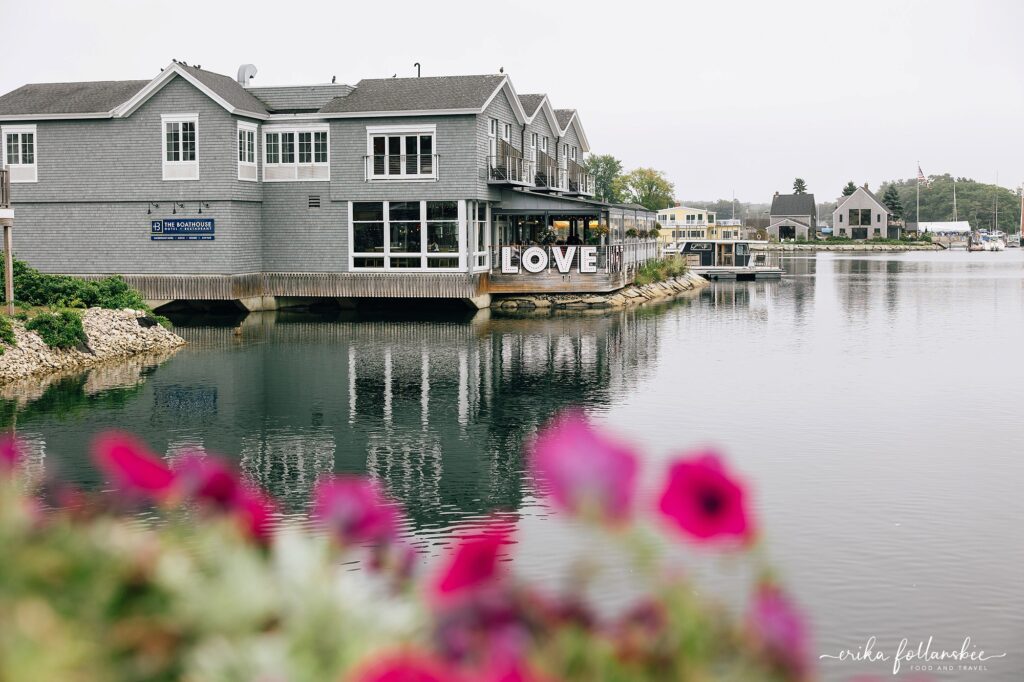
{"points": [[535, 259]]}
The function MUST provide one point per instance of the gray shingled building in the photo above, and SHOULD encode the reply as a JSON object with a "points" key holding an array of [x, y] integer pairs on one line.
{"points": [[199, 185], [793, 216]]}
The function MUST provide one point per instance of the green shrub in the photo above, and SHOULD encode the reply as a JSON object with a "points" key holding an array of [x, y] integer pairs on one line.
{"points": [[63, 330], [7, 331], [163, 321], [61, 291], [660, 270]]}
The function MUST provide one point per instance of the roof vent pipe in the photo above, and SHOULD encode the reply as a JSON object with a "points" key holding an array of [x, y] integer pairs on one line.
{"points": [[246, 72]]}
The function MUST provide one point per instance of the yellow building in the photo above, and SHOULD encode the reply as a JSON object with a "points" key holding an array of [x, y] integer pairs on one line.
{"points": [[684, 222]]}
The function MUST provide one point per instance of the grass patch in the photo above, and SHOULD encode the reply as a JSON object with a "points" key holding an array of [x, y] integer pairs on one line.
{"points": [[660, 270], [58, 330]]}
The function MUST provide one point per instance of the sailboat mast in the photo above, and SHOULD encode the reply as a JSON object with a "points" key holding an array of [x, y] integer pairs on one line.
{"points": [[996, 214], [954, 200]]}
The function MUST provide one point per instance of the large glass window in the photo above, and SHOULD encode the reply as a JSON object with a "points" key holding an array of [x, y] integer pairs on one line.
{"points": [[417, 235], [181, 140], [860, 216], [301, 154], [404, 225], [21, 149], [287, 147], [273, 146]]}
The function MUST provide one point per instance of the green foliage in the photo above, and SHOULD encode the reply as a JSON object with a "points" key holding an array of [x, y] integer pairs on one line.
{"points": [[891, 199], [163, 321], [660, 270], [605, 168], [799, 186], [647, 187], [63, 330], [975, 202], [849, 189], [61, 291], [7, 331]]}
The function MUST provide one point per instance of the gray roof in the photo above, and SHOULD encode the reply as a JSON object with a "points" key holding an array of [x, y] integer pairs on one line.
{"points": [[68, 98], [794, 204], [416, 94], [842, 200], [531, 102], [228, 89], [289, 98], [564, 116]]}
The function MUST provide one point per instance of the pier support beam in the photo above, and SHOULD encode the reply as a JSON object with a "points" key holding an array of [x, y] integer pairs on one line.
{"points": [[255, 304], [478, 302]]}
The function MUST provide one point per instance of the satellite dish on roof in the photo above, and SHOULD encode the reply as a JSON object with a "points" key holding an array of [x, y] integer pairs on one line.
{"points": [[246, 72]]}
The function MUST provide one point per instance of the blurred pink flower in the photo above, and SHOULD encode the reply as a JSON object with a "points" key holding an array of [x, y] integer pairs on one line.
{"points": [[779, 629], [131, 465], [10, 452], [254, 512], [472, 564], [589, 474], [355, 510], [703, 501], [407, 668], [208, 480]]}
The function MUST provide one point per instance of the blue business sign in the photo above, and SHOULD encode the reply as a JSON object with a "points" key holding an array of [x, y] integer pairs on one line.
{"points": [[182, 229]]}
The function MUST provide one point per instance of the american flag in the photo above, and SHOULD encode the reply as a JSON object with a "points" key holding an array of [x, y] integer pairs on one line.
{"points": [[921, 179]]}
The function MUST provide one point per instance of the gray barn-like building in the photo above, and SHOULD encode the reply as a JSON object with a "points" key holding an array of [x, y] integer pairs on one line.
{"points": [[196, 185]]}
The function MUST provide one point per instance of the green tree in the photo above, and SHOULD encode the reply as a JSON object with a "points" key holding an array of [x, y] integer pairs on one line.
{"points": [[849, 189], [647, 187], [891, 199], [799, 186], [976, 202], [606, 169]]}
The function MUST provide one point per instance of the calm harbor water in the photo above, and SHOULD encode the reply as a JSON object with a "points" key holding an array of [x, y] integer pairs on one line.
{"points": [[873, 402]]}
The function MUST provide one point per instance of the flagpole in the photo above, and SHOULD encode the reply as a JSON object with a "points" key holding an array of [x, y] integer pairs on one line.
{"points": [[918, 196], [954, 200]]}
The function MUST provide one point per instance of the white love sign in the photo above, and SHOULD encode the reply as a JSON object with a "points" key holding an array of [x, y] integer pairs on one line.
{"points": [[534, 259]]}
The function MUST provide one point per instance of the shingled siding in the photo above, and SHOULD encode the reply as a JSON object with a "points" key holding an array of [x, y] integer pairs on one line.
{"points": [[114, 237], [457, 165], [297, 238], [542, 127], [501, 109], [573, 140], [122, 159]]}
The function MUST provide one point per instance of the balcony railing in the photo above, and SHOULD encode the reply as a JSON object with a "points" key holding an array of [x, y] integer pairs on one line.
{"points": [[550, 176], [510, 170], [400, 166], [580, 181]]}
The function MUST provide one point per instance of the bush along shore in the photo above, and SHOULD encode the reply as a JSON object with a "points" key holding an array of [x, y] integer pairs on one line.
{"points": [[632, 295], [66, 323], [826, 245]]}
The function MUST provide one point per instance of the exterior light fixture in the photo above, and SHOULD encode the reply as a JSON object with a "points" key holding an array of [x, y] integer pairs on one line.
{"points": [[202, 205], [175, 206], [150, 206]]}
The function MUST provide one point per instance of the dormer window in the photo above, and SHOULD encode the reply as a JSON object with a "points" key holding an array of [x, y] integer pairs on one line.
{"points": [[19, 152], [181, 146]]}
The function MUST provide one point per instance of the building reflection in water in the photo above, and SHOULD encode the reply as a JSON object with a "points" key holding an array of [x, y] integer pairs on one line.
{"points": [[438, 411]]}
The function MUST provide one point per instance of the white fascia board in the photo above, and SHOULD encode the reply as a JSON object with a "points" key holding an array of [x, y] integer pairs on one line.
{"points": [[163, 79], [382, 114], [513, 98], [56, 117]]}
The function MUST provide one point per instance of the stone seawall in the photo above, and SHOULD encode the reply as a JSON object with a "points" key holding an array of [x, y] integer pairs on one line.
{"points": [[886, 248], [631, 295], [111, 334]]}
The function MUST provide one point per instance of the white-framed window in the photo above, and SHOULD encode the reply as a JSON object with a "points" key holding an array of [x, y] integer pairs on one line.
{"points": [[572, 153], [564, 156], [19, 152], [544, 144], [533, 146], [296, 153], [479, 233], [401, 153], [408, 236], [180, 134], [506, 132], [247, 151], [492, 137]]}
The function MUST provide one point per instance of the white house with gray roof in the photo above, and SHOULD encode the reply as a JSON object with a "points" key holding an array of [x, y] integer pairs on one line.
{"points": [[199, 185], [862, 215]]}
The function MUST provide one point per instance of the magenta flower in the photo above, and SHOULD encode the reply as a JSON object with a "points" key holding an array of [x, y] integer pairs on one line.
{"points": [[255, 514], [131, 465], [407, 668], [207, 480], [472, 564], [355, 510], [589, 474], [10, 452], [703, 501], [779, 629]]}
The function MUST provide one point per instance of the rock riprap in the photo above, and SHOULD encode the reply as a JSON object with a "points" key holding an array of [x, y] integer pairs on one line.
{"points": [[630, 295], [111, 334]]}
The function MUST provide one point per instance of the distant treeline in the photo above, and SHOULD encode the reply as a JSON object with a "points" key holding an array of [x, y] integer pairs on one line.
{"points": [[975, 201]]}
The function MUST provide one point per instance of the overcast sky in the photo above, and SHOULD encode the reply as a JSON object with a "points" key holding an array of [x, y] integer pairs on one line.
{"points": [[723, 96]]}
